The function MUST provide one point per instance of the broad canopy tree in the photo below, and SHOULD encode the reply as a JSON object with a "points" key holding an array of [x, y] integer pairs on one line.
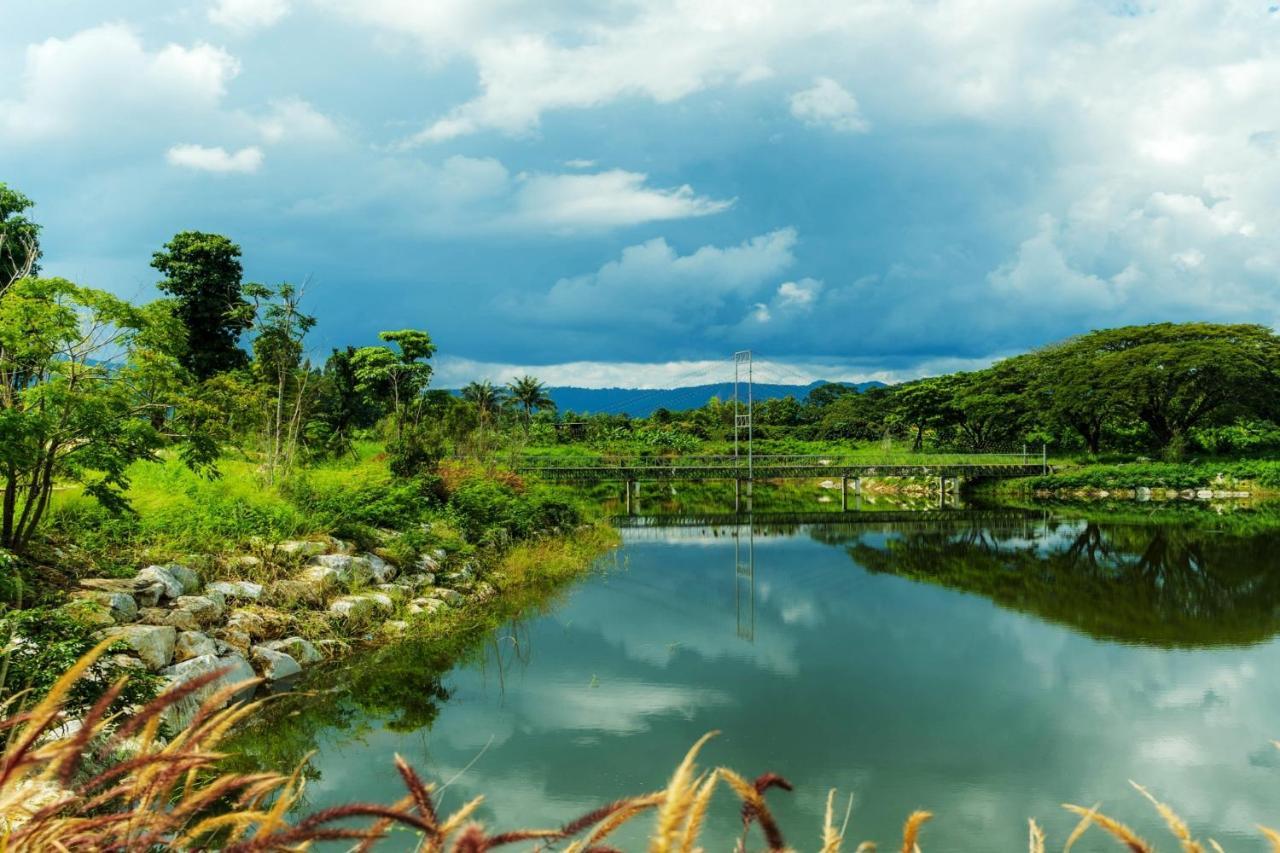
{"points": [[202, 272]]}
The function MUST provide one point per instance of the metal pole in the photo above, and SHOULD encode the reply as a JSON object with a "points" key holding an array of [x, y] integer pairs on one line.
{"points": [[1044, 459]]}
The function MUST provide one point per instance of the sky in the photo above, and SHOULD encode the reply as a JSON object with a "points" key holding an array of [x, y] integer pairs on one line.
{"points": [[625, 193]]}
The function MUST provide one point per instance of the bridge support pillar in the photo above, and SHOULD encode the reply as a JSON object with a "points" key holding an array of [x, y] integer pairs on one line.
{"points": [[844, 494], [627, 488], [737, 496]]}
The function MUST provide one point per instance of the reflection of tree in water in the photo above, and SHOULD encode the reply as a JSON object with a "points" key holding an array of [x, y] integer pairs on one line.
{"points": [[1159, 584]]}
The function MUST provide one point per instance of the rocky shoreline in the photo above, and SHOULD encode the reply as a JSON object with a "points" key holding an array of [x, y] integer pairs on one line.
{"points": [[171, 622], [1144, 493]]}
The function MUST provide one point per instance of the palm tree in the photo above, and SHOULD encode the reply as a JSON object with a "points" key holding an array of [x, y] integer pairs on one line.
{"points": [[485, 397], [530, 394]]}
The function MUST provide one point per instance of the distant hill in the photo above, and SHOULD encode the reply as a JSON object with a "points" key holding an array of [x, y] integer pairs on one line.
{"points": [[641, 402]]}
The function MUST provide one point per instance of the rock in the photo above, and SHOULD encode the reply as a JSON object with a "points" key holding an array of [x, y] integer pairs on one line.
{"points": [[302, 548], [288, 593], [236, 640], [127, 662], [205, 609], [353, 608], [381, 601], [381, 570], [347, 569], [297, 648], [120, 605], [451, 597], [273, 665], [1204, 494], [484, 592], [396, 590], [235, 590], [189, 579], [89, 613], [395, 628], [145, 593], [249, 622], [420, 580], [180, 714], [320, 578], [182, 620], [428, 564], [153, 644], [1143, 493], [159, 574], [247, 561], [193, 644], [430, 606]]}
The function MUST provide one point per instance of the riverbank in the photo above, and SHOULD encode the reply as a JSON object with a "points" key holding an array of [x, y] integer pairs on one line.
{"points": [[1191, 480], [264, 581]]}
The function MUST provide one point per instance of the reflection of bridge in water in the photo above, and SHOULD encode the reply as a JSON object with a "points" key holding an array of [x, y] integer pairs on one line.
{"points": [[743, 527]]}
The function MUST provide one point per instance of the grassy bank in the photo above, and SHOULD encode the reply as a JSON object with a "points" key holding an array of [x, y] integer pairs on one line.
{"points": [[1256, 476]]}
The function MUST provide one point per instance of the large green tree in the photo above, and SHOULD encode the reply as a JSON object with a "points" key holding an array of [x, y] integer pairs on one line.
{"points": [[19, 238], [203, 274], [529, 393], [399, 375]]}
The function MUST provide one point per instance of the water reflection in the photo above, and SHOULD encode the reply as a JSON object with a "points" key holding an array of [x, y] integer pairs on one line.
{"points": [[853, 654]]}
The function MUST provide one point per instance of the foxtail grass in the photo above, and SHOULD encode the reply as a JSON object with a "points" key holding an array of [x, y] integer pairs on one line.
{"points": [[112, 782]]}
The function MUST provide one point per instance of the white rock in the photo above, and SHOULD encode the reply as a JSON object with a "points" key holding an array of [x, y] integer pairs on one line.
{"points": [[395, 628], [153, 644], [302, 548], [193, 644], [180, 714], [356, 608], [297, 648], [382, 570], [449, 596], [236, 590], [381, 601], [274, 665], [205, 608], [427, 563], [346, 568], [161, 575], [430, 606], [189, 579], [121, 605]]}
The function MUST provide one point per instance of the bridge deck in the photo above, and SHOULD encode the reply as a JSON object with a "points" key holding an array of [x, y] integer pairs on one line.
{"points": [[773, 468]]}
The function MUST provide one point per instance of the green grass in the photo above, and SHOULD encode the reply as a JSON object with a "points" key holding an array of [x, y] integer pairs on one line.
{"points": [[1252, 475]]}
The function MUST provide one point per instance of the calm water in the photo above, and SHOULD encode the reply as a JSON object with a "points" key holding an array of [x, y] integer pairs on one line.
{"points": [[985, 665]]}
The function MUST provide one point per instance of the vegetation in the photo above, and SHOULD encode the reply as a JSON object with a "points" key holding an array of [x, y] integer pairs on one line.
{"points": [[101, 788]]}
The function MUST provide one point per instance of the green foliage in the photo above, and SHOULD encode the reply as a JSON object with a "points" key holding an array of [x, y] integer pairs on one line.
{"points": [[19, 238], [1163, 475], [488, 512], [397, 376], [45, 643], [202, 272]]}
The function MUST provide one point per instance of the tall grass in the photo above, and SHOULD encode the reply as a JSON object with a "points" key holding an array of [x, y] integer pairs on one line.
{"points": [[113, 784]]}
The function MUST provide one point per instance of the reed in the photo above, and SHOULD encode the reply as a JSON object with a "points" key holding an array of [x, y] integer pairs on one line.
{"points": [[111, 782]]}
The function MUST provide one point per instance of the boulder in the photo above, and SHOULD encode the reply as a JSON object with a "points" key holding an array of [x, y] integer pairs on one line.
{"points": [[182, 620], [302, 548], [297, 648], [120, 605], [247, 561], [346, 568], [161, 575], [381, 570], [421, 580], [273, 665], [396, 590], [427, 563], [206, 609], [189, 578], [145, 593], [353, 608], [484, 592], [395, 628], [89, 613], [232, 640], [451, 597], [153, 644], [249, 622], [430, 606], [320, 578], [193, 644], [180, 714], [235, 590]]}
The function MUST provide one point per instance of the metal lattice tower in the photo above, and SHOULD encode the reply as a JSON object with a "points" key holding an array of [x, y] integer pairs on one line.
{"points": [[742, 422]]}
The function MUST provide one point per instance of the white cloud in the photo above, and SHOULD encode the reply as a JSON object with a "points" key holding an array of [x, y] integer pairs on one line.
{"points": [[295, 120], [105, 79], [579, 163], [246, 15], [605, 200], [828, 104], [651, 284], [215, 159]]}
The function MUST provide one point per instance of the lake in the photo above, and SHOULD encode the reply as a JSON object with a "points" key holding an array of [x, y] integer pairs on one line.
{"points": [[987, 665]]}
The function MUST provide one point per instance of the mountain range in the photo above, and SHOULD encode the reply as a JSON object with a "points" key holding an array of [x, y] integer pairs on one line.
{"points": [[641, 402]]}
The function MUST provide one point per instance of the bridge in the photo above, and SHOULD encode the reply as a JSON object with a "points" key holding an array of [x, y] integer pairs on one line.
{"points": [[847, 471]]}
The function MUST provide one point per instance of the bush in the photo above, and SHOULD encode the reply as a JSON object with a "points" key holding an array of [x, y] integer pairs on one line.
{"points": [[486, 511]]}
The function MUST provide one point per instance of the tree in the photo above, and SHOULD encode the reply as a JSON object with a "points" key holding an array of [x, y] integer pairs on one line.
{"points": [[398, 376], [485, 397], [341, 407], [277, 350], [528, 393], [920, 405], [19, 238], [68, 411], [202, 272], [1175, 377]]}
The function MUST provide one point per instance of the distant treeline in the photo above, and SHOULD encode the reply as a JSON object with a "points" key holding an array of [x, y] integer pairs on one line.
{"points": [[1166, 389]]}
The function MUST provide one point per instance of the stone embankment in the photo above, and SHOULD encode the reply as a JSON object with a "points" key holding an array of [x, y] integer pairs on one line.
{"points": [[169, 621], [1144, 493]]}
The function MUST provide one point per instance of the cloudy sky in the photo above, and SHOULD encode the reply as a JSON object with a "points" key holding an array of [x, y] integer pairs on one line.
{"points": [[628, 191]]}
